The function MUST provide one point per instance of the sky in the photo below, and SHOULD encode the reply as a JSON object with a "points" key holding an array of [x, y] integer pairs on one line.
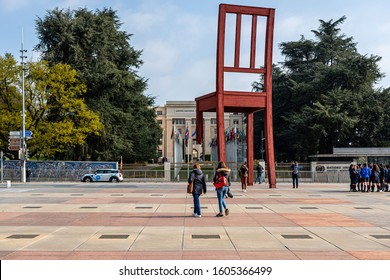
{"points": [[178, 37]]}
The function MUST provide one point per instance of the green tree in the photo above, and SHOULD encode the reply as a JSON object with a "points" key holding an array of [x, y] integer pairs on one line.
{"points": [[92, 43], [55, 108], [324, 96], [10, 99], [57, 114]]}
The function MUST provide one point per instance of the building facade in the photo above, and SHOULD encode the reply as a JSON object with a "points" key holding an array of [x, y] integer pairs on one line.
{"points": [[177, 116]]}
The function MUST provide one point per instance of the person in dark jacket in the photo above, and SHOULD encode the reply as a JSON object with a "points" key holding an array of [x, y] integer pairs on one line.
{"points": [[198, 178], [295, 171], [223, 170], [243, 172]]}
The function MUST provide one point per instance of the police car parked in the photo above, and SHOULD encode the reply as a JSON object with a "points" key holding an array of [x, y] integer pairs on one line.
{"points": [[103, 175]]}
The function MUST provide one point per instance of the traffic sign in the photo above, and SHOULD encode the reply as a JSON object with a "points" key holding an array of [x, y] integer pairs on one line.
{"points": [[14, 133], [14, 147], [14, 136], [14, 141]]}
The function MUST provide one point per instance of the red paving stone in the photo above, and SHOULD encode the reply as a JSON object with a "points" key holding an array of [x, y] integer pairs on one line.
{"points": [[96, 255], [369, 255], [267, 255], [210, 255], [275, 220], [155, 218], [154, 255], [324, 255], [41, 255], [325, 220]]}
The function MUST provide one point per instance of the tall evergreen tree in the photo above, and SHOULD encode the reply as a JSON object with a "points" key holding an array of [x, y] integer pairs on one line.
{"points": [[324, 96], [93, 44]]}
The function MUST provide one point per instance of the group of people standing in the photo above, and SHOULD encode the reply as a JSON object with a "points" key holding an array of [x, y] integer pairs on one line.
{"points": [[199, 187], [223, 189], [366, 177], [243, 173]]}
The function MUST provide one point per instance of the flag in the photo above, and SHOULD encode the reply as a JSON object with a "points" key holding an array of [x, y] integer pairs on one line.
{"points": [[233, 133], [193, 133], [172, 133], [187, 135]]}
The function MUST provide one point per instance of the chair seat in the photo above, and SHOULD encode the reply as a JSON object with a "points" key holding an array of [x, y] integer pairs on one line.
{"points": [[234, 101]]}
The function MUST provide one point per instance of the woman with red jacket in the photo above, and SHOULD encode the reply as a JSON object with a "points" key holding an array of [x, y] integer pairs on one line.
{"points": [[222, 189]]}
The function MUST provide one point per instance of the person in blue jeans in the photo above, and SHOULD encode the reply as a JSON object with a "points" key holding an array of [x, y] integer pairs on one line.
{"points": [[222, 170], [295, 171], [259, 170], [199, 187]]}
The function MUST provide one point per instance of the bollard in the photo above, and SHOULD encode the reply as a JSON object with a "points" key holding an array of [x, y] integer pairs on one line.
{"points": [[8, 184]]}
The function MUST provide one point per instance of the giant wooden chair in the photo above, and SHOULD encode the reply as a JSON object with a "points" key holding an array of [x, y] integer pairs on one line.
{"points": [[222, 100]]}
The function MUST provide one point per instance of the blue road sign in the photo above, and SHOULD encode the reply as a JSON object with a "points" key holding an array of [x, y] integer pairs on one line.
{"points": [[27, 133]]}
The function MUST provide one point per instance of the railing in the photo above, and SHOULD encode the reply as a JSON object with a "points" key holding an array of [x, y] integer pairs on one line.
{"points": [[142, 175]]}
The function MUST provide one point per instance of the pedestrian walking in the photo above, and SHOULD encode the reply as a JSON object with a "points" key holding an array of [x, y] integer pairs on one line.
{"points": [[222, 182], [199, 187], [243, 172], [259, 169]]}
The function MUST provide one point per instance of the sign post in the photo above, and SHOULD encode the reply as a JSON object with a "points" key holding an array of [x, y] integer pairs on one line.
{"points": [[2, 167]]}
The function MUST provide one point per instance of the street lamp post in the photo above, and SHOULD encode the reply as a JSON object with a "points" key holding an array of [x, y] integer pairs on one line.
{"points": [[23, 138]]}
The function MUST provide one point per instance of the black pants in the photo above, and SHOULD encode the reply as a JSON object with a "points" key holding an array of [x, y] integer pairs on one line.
{"points": [[295, 180]]}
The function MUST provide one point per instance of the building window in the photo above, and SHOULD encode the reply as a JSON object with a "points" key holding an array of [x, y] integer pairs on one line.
{"points": [[235, 121], [179, 121], [159, 122], [180, 130], [159, 113], [193, 121], [215, 131], [213, 121]]}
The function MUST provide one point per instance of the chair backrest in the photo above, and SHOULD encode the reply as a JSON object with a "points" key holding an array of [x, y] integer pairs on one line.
{"points": [[252, 68]]}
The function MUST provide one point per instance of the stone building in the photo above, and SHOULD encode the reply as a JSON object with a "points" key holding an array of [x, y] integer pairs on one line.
{"points": [[177, 116]]}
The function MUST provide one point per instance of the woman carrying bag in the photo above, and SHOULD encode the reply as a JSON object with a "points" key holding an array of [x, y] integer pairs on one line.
{"points": [[222, 183], [199, 186]]}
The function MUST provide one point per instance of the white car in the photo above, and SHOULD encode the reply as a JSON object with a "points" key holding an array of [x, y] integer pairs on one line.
{"points": [[103, 175]]}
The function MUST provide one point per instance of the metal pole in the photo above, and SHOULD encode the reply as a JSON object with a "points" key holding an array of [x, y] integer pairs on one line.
{"points": [[174, 149], [23, 139], [2, 167], [235, 151], [188, 153]]}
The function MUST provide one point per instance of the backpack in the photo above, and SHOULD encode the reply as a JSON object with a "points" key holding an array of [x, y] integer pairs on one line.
{"points": [[295, 171], [221, 181]]}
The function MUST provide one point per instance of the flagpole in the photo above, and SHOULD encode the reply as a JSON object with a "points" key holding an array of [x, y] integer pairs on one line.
{"points": [[235, 146], [188, 152], [174, 148]]}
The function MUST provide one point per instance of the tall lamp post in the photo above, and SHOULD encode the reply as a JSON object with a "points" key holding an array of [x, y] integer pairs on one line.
{"points": [[23, 138]]}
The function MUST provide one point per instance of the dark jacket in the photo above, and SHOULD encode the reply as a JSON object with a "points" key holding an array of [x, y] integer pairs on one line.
{"points": [[199, 181]]}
